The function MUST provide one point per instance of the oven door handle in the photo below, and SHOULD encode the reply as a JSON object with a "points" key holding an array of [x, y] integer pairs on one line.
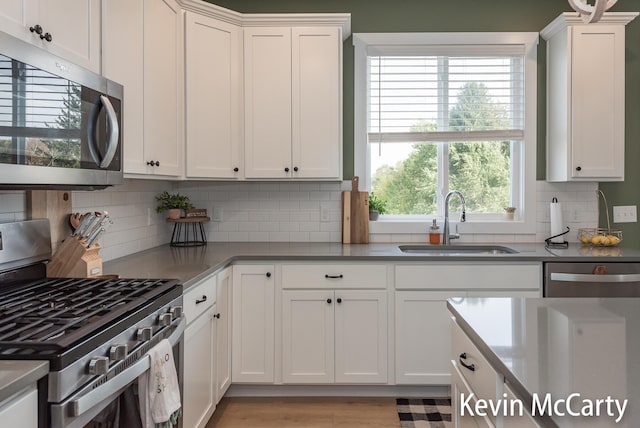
{"points": [[580, 277], [96, 396]]}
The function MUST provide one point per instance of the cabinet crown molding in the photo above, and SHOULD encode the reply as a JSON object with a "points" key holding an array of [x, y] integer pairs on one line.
{"points": [[342, 20], [567, 19]]}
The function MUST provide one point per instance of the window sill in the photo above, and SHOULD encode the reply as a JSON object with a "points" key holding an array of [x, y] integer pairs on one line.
{"points": [[474, 227]]}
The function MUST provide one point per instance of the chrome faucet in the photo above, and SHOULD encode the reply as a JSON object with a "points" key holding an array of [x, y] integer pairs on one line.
{"points": [[446, 237]]}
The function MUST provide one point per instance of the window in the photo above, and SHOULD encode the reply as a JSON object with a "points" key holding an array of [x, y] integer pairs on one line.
{"points": [[442, 111]]}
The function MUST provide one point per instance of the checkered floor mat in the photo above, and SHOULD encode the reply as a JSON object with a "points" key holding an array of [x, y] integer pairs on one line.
{"points": [[424, 413]]}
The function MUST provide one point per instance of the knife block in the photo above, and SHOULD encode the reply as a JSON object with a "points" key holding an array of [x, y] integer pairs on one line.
{"points": [[74, 260]]}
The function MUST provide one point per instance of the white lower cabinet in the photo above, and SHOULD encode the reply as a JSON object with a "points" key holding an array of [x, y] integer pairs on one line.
{"points": [[253, 324], [459, 388], [422, 334], [199, 353], [423, 341], [334, 336], [21, 409], [223, 332]]}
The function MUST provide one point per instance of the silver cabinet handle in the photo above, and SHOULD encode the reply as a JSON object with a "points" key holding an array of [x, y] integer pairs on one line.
{"points": [[585, 277]]}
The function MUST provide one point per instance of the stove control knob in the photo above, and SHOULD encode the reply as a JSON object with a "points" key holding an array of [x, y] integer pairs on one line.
{"points": [[176, 311], [164, 319], [144, 334], [99, 365], [118, 352]]}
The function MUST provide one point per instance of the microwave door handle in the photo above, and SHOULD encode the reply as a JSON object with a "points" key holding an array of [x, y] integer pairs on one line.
{"points": [[114, 127], [577, 277], [91, 132]]}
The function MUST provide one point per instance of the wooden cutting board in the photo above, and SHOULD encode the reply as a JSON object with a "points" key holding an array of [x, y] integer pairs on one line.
{"points": [[355, 215]]}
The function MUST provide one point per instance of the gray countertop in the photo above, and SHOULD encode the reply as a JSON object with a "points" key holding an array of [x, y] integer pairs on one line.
{"points": [[16, 375], [190, 265], [587, 346]]}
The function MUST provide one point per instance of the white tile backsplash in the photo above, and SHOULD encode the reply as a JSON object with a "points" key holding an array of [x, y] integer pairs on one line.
{"points": [[275, 212]]}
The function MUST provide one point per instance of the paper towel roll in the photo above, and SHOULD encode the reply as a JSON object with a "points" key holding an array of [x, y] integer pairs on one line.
{"points": [[556, 221]]}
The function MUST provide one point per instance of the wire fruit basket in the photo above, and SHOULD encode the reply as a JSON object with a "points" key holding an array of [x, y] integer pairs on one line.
{"points": [[600, 237]]}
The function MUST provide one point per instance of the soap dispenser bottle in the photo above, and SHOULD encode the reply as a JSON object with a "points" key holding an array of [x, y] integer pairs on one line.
{"points": [[434, 233]]}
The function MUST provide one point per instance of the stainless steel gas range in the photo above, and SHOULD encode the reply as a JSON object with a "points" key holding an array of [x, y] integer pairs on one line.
{"points": [[95, 332]]}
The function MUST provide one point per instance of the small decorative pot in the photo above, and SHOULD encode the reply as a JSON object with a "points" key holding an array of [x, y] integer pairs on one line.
{"points": [[174, 213], [373, 215]]}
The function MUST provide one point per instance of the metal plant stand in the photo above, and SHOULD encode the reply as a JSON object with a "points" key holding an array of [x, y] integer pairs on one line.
{"points": [[188, 232]]}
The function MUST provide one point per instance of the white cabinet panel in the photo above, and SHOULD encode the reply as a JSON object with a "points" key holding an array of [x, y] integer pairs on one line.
{"points": [[267, 109], [293, 102], [163, 87], [586, 97], [73, 25], [199, 370], [253, 324], [361, 336], [307, 336], [338, 275], [223, 333], [213, 98], [317, 103], [21, 409], [423, 339]]}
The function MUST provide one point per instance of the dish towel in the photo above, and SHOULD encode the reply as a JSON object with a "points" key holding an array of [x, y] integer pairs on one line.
{"points": [[158, 389]]}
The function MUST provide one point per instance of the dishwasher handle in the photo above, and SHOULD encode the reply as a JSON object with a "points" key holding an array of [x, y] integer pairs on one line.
{"points": [[586, 277]]}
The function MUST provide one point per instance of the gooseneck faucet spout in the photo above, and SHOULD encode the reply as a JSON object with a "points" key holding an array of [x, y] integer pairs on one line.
{"points": [[446, 236]]}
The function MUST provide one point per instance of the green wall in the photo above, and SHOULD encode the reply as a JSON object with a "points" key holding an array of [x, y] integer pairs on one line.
{"points": [[472, 15]]}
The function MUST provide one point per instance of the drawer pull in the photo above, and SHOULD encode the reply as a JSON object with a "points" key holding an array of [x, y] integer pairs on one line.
{"points": [[329, 301], [204, 299], [333, 276], [471, 367]]}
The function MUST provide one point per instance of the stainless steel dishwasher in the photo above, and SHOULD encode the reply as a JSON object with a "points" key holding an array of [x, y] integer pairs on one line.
{"points": [[588, 279]]}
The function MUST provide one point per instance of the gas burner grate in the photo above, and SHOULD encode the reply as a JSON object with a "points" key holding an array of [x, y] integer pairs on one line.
{"points": [[50, 314]]}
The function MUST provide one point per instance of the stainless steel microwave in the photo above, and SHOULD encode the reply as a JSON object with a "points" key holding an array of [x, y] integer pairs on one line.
{"points": [[60, 124]]}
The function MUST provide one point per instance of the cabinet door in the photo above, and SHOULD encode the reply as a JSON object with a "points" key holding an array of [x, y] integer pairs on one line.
{"points": [[460, 390], [122, 61], [316, 102], [423, 337], [360, 336], [597, 101], [213, 98], [21, 409], [253, 324], [199, 370], [74, 26], [267, 108], [75, 29], [163, 87], [307, 336], [223, 333]]}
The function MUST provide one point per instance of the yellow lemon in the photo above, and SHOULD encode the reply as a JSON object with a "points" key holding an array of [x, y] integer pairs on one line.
{"points": [[585, 239], [597, 240]]}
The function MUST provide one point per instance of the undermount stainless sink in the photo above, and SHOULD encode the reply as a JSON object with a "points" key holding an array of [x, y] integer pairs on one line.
{"points": [[457, 249]]}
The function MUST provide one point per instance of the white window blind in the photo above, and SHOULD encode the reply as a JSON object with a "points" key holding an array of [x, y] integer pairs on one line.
{"points": [[466, 95]]}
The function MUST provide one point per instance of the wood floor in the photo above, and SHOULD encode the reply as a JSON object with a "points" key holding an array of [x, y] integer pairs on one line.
{"points": [[305, 412]]}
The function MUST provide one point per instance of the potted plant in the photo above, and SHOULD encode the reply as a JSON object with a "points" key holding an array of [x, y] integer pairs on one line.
{"points": [[174, 203], [377, 206]]}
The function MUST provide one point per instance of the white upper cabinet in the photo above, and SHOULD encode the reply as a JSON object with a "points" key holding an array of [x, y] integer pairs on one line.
{"points": [[293, 102], [213, 98], [143, 50], [586, 97], [68, 28]]}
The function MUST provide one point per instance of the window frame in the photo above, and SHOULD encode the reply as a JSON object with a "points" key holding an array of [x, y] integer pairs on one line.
{"points": [[524, 166]]}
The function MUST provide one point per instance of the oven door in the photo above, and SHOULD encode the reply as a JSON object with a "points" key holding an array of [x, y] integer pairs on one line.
{"points": [[592, 280], [99, 403]]}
